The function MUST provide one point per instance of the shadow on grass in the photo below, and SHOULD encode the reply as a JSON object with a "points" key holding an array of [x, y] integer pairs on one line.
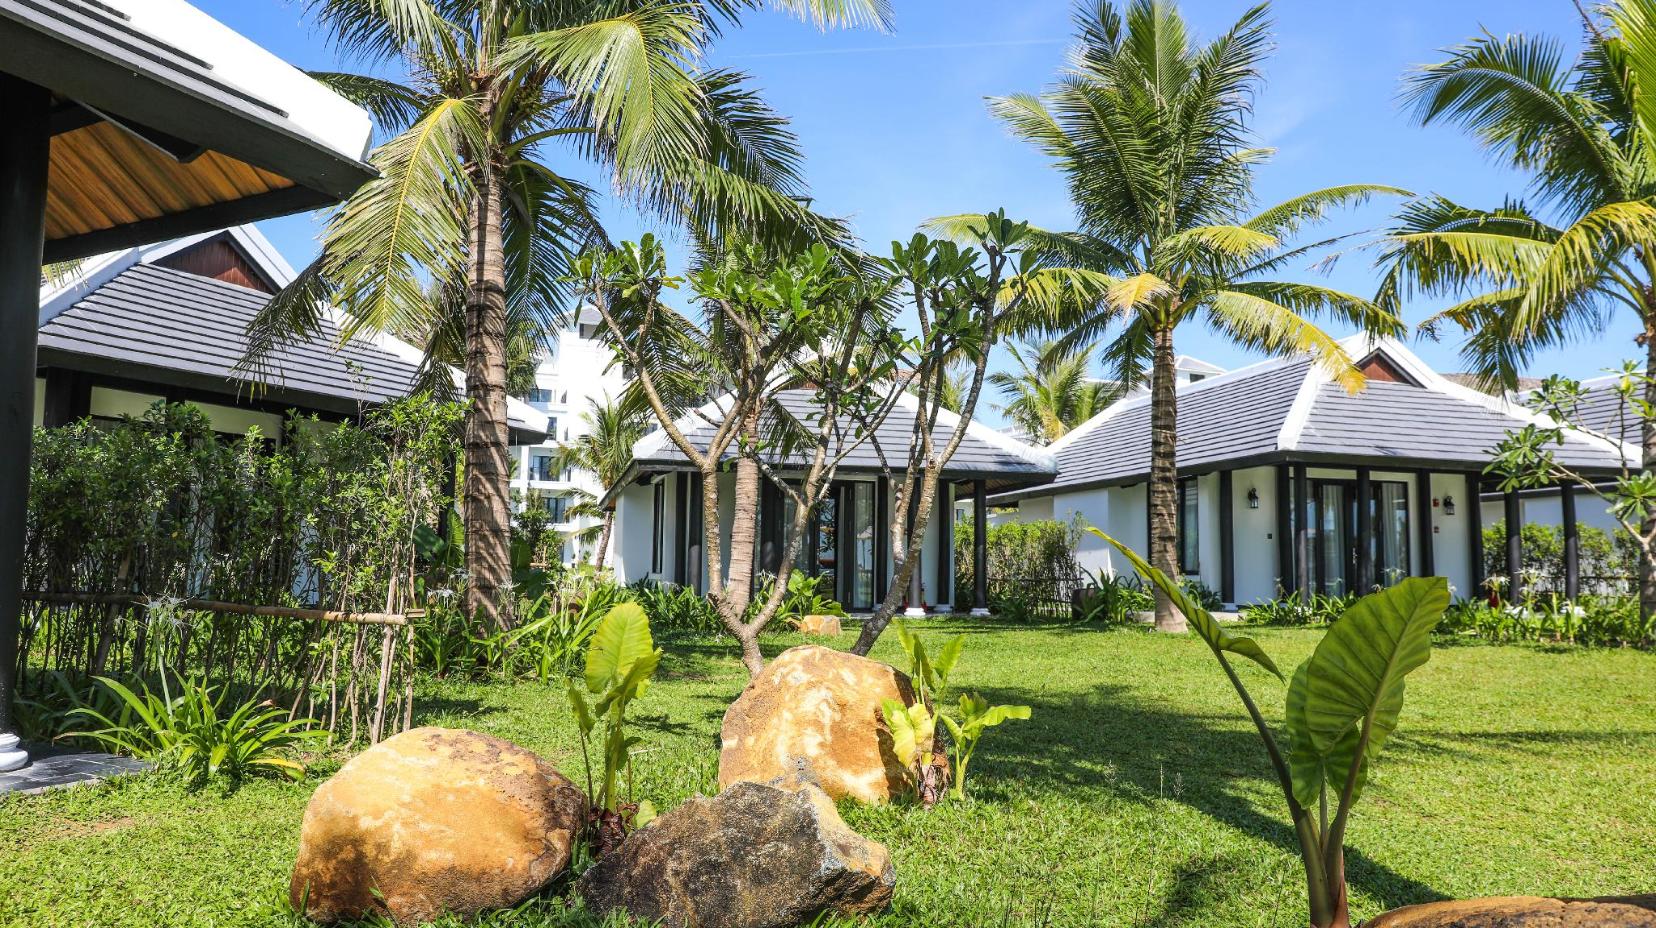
{"points": [[1108, 740]]}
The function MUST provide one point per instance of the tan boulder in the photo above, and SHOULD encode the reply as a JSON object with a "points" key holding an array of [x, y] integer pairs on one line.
{"points": [[818, 625], [434, 821], [1525, 912], [813, 716]]}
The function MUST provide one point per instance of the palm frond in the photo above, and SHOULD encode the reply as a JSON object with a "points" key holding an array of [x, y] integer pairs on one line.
{"points": [[1263, 325], [406, 226], [393, 106], [1291, 215]]}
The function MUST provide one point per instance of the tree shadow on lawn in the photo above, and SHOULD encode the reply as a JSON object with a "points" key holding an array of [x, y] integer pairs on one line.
{"points": [[1108, 740]]}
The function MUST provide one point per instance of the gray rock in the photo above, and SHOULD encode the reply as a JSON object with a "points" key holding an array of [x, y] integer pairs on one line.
{"points": [[755, 856]]}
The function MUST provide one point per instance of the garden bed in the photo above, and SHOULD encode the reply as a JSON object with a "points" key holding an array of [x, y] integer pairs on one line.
{"points": [[1136, 795]]}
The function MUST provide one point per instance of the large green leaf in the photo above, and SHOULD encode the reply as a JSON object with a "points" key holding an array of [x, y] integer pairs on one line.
{"points": [[1200, 619], [1346, 698], [622, 640]]}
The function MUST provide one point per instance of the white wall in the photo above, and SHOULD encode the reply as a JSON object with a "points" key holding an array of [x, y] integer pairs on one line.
{"points": [[1256, 551]]}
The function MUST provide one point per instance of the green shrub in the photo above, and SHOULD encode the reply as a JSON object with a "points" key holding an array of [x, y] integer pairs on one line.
{"points": [[1604, 621], [1294, 609], [677, 609], [1112, 600], [186, 733], [1604, 556], [1035, 558]]}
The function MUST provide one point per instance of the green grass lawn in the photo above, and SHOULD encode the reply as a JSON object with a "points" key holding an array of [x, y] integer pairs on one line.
{"points": [[1136, 796]]}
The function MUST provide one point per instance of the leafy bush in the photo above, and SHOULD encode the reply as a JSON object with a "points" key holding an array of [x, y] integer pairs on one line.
{"points": [[186, 733], [620, 661], [552, 630], [677, 609], [1028, 557], [1607, 621], [1611, 561], [1294, 609], [1343, 705], [1112, 600], [1202, 594], [915, 725]]}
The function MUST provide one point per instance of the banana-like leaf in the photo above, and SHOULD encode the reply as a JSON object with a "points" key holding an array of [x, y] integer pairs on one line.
{"points": [[1344, 701], [578, 703], [1200, 619], [622, 639], [950, 656], [910, 727]]}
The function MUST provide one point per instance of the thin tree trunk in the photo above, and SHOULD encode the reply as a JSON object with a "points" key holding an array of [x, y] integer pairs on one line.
{"points": [[1164, 475], [488, 471], [926, 487], [1647, 444], [738, 586], [604, 539]]}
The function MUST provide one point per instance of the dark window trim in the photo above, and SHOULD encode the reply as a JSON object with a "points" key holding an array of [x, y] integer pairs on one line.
{"points": [[1190, 535], [658, 527]]}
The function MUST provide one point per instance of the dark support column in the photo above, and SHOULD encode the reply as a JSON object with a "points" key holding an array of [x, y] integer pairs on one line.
{"points": [[698, 541], [1515, 546], [1227, 538], [681, 527], [68, 397], [943, 513], [1365, 532], [1302, 531], [1572, 541], [1474, 527], [1423, 522], [24, 151], [1284, 530], [980, 548]]}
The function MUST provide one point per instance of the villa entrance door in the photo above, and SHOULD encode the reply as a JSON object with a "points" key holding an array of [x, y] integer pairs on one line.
{"points": [[1334, 537]]}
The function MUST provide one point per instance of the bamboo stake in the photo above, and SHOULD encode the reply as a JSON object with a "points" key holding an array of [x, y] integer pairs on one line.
{"points": [[209, 605]]}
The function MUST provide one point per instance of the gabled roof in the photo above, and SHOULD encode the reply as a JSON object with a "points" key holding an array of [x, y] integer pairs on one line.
{"points": [[166, 122], [1290, 410], [1604, 411], [983, 454], [128, 316]]}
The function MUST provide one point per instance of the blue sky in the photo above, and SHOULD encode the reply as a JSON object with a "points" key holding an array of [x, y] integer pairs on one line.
{"points": [[895, 129]]}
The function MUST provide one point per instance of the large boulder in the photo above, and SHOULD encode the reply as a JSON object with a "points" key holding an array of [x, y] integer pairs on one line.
{"points": [[434, 820], [1525, 912], [754, 856], [813, 716]]}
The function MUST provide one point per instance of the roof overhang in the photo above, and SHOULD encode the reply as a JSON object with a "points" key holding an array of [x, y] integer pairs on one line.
{"points": [[166, 123]]}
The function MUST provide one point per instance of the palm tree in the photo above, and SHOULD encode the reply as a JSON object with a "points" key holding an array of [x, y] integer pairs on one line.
{"points": [[1150, 132], [1528, 278], [604, 451], [470, 198], [1051, 392]]}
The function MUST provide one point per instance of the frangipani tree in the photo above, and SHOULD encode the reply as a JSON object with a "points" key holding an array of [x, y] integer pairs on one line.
{"points": [[1527, 278], [1150, 132], [474, 199]]}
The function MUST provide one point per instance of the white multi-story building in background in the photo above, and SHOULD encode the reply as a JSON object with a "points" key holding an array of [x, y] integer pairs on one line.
{"points": [[576, 371]]}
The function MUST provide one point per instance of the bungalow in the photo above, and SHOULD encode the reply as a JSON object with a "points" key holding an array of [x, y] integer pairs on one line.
{"points": [[658, 536], [1289, 482], [168, 322]]}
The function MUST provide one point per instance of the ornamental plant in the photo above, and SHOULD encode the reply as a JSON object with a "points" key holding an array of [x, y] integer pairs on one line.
{"points": [[1343, 704], [620, 661]]}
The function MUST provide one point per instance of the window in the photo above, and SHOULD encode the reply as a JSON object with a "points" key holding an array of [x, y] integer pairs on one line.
{"points": [[1190, 536], [540, 467], [540, 395], [558, 505], [658, 528]]}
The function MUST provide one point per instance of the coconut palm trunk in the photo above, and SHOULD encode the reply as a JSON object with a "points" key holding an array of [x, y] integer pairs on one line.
{"points": [[604, 538], [1164, 475], [1647, 463], [488, 513]]}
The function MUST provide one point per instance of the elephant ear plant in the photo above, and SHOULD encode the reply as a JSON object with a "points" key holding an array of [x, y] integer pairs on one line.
{"points": [[621, 658], [1342, 706]]}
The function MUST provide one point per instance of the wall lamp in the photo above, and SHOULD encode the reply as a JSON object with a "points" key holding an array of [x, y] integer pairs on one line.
{"points": [[1253, 497], [1448, 505]]}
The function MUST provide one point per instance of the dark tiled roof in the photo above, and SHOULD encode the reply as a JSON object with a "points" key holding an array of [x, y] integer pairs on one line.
{"points": [[982, 453], [1395, 420], [1230, 417], [163, 318], [1603, 411], [175, 327], [1240, 417]]}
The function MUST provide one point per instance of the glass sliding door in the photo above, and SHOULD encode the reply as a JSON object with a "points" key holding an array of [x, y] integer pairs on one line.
{"points": [[1391, 532], [860, 589], [1334, 538]]}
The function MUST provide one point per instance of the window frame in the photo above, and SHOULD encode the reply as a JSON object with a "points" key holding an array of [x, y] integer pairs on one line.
{"points": [[1189, 525]]}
